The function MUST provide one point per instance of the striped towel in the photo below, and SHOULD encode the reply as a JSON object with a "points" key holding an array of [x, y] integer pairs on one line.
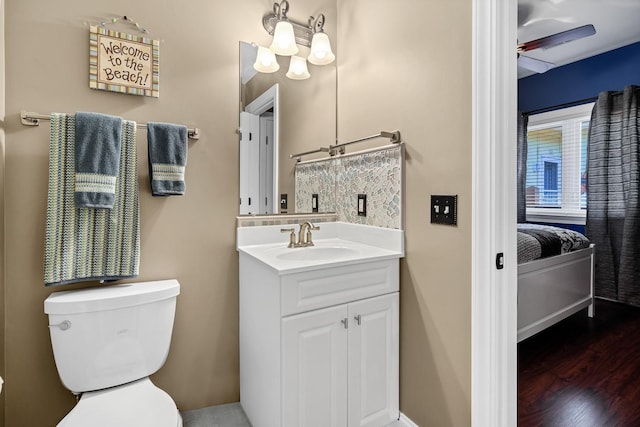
{"points": [[90, 244]]}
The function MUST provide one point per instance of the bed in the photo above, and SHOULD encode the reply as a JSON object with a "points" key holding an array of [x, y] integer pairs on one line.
{"points": [[555, 276]]}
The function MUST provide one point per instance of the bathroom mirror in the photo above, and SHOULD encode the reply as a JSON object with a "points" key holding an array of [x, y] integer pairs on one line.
{"points": [[288, 117]]}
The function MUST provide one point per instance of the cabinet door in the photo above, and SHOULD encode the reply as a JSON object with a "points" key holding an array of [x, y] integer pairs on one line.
{"points": [[314, 369], [373, 361]]}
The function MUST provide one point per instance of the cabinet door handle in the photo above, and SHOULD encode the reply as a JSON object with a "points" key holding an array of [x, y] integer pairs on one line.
{"points": [[345, 322], [357, 319]]}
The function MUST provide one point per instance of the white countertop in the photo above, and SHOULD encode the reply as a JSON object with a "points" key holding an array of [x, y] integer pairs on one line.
{"points": [[335, 244]]}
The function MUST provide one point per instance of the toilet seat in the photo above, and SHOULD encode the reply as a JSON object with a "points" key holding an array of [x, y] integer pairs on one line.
{"points": [[137, 404]]}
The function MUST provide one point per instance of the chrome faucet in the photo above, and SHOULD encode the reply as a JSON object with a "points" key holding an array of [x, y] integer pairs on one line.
{"points": [[304, 235]]}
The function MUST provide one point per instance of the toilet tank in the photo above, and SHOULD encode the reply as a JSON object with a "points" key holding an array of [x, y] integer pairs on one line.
{"points": [[111, 335]]}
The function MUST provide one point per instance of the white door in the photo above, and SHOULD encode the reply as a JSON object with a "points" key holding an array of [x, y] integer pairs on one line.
{"points": [[314, 368], [249, 162], [374, 361]]}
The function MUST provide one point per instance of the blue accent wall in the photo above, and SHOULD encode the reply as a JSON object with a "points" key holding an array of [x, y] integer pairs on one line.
{"points": [[580, 80]]}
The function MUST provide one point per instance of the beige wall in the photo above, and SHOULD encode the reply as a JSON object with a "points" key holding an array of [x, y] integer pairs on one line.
{"points": [[407, 65], [191, 238], [401, 65]]}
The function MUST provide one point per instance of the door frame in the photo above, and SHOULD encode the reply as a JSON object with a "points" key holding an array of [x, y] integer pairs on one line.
{"points": [[493, 290]]}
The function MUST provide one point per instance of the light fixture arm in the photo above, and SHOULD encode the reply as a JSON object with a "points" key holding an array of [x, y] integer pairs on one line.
{"points": [[318, 23], [281, 9], [303, 33]]}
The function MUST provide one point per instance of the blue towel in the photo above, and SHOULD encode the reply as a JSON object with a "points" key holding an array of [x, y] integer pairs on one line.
{"points": [[167, 158], [97, 159]]}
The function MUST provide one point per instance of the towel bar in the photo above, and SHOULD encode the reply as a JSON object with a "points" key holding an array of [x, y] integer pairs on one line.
{"points": [[33, 119], [394, 138]]}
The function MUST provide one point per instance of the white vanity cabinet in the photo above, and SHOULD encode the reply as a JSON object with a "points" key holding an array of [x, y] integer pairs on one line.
{"points": [[340, 364], [319, 347]]}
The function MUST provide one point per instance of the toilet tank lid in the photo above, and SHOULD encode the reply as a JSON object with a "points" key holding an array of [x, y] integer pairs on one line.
{"points": [[110, 297]]}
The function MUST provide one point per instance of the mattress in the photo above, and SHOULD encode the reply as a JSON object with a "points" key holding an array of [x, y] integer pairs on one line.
{"points": [[541, 241]]}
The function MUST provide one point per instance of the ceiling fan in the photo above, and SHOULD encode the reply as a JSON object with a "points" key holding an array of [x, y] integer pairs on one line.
{"points": [[540, 66]]}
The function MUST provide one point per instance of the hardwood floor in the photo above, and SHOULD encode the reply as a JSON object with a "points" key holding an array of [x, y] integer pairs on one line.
{"points": [[582, 372]]}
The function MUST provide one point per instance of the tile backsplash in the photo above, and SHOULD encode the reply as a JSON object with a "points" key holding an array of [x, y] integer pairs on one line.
{"points": [[318, 177], [377, 173]]}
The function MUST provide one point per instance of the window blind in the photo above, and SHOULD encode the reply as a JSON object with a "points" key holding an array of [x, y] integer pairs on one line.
{"points": [[557, 160]]}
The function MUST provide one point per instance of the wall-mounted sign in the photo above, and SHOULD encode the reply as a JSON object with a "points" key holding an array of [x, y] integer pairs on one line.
{"points": [[124, 63]]}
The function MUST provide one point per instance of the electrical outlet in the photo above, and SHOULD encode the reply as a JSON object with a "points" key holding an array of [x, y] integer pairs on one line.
{"points": [[314, 203], [444, 210], [283, 202], [362, 205]]}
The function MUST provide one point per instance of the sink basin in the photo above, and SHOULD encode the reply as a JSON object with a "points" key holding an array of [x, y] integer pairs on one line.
{"points": [[316, 253]]}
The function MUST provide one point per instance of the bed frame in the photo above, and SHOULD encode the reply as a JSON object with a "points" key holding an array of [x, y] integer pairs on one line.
{"points": [[552, 289]]}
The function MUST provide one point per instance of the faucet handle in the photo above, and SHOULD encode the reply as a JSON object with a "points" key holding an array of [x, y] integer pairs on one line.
{"points": [[292, 235], [309, 241]]}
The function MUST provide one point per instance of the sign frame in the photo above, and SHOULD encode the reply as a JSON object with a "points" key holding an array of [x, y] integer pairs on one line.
{"points": [[123, 63]]}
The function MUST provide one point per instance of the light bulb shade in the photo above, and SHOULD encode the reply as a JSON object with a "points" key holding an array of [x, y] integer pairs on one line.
{"points": [[298, 68], [266, 61], [284, 42], [321, 53]]}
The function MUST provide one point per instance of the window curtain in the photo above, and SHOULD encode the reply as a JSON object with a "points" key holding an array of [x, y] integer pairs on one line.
{"points": [[523, 120], [613, 187]]}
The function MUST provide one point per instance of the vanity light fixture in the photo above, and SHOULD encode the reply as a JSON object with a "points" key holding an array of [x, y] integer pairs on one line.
{"points": [[298, 68], [266, 61], [287, 33]]}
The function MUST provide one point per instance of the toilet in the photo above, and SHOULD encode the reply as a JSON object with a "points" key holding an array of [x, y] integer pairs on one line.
{"points": [[106, 342]]}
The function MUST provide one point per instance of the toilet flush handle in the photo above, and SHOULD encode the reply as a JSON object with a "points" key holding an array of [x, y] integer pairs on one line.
{"points": [[64, 325]]}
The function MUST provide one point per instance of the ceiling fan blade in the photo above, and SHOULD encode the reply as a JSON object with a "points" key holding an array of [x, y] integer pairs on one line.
{"points": [[558, 38], [537, 65]]}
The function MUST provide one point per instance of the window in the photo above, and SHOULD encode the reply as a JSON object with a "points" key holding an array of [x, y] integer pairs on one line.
{"points": [[557, 164]]}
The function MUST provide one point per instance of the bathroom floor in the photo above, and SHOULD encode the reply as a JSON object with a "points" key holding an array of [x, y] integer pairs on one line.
{"points": [[229, 415]]}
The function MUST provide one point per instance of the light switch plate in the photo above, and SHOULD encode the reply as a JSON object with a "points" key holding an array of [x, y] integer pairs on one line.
{"points": [[283, 202], [314, 203], [444, 210], [362, 205]]}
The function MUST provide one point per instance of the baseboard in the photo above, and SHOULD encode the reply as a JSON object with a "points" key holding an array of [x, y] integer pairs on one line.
{"points": [[405, 421]]}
